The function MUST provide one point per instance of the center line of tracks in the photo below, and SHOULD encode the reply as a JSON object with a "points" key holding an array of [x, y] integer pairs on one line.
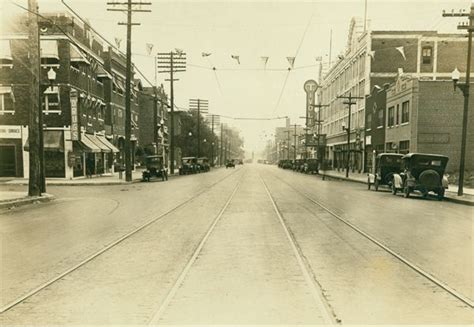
{"points": [[156, 317], [323, 306], [108, 247], [407, 262]]}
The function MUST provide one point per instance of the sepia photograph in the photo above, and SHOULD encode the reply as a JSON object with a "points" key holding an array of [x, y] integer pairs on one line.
{"points": [[236, 163]]}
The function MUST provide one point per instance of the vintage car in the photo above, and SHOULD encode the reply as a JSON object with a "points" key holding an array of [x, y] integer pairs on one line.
{"points": [[230, 164], [422, 172], [311, 166], [154, 167], [203, 164], [285, 164], [384, 165], [188, 166]]}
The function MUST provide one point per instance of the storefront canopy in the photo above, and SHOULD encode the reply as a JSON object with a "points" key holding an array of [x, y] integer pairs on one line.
{"points": [[52, 141], [98, 143], [88, 145], [5, 50], [107, 143]]}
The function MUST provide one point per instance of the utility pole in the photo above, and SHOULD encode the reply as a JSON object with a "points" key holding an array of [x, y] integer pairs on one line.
{"points": [[350, 102], [172, 62], [34, 134], [319, 123], [465, 89], [215, 120], [288, 147], [128, 76], [201, 106], [221, 148]]}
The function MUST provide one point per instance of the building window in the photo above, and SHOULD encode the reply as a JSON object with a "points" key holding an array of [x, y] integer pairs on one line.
{"points": [[398, 115], [380, 118], [405, 112], [368, 122], [426, 54], [391, 117], [51, 100], [7, 100], [404, 147]]}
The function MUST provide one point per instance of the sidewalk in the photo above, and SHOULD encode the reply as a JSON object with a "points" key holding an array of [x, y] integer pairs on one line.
{"points": [[10, 199], [450, 195]]}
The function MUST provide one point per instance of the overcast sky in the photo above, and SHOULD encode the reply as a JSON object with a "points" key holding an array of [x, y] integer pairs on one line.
{"points": [[250, 29]]}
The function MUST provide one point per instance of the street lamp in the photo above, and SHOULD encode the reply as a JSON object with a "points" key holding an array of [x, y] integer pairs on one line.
{"points": [[464, 87]]}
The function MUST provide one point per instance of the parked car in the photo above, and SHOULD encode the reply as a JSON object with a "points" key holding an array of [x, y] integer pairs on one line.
{"points": [[422, 172], [154, 167], [203, 164], [188, 166], [286, 164], [384, 165], [230, 164], [311, 166]]}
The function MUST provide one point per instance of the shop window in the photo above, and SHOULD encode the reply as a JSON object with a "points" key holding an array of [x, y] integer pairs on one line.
{"points": [[426, 53], [391, 117], [404, 147], [405, 112], [397, 116]]}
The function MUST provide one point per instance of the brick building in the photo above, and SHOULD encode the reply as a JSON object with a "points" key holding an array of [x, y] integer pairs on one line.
{"points": [[375, 58], [153, 121], [426, 116]]}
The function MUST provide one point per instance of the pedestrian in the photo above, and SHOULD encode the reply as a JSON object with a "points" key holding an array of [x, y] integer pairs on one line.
{"points": [[89, 166], [164, 173]]}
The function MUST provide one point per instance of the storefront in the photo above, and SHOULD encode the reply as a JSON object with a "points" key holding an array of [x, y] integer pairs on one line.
{"points": [[12, 138]]}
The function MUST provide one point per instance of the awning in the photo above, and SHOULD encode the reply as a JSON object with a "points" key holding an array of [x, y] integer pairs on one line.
{"points": [[107, 143], [5, 89], [49, 49], [102, 147], [88, 144], [5, 50], [77, 56], [102, 73], [52, 141]]}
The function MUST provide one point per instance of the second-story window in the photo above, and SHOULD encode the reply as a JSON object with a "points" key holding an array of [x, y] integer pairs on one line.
{"points": [[426, 53], [391, 117], [405, 112], [368, 123], [7, 100], [51, 100], [380, 118], [49, 53], [6, 59]]}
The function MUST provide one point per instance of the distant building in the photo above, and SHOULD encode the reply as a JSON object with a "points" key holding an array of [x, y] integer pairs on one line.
{"points": [[375, 58]]}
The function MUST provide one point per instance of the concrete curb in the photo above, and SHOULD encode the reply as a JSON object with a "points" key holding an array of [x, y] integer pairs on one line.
{"points": [[85, 183], [13, 203], [447, 197]]}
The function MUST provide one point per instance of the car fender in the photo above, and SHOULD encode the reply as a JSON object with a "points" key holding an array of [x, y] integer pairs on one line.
{"points": [[398, 181], [445, 182]]}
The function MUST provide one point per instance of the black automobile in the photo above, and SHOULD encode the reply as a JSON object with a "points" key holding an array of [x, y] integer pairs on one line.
{"points": [[311, 166], [230, 164], [203, 164], [154, 168], [422, 172], [189, 165], [384, 165]]}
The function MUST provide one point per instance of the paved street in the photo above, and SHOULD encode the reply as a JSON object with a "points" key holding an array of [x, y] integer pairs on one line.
{"points": [[250, 245]]}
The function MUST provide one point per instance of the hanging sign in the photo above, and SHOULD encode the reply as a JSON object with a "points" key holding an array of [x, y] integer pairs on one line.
{"points": [[73, 96], [310, 87]]}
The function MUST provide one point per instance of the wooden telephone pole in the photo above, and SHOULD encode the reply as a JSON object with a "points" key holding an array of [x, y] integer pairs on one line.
{"points": [[199, 105], [350, 102], [171, 62], [130, 7]]}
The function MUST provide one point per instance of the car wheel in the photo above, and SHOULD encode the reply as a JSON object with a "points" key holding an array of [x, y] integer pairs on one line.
{"points": [[441, 194], [376, 184]]}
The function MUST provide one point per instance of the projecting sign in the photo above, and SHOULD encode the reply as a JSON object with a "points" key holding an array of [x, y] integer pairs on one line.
{"points": [[73, 96], [310, 87]]}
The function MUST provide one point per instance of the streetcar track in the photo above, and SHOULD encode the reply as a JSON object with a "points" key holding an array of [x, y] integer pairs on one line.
{"points": [[384, 247], [315, 287], [177, 284], [109, 246]]}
